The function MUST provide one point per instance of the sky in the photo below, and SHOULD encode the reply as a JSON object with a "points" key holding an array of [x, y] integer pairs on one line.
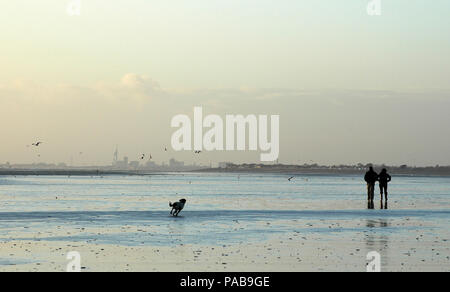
{"points": [[348, 87]]}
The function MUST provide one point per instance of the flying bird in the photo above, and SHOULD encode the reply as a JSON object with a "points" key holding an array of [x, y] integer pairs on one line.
{"points": [[142, 156], [289, 179], [37, 144]]}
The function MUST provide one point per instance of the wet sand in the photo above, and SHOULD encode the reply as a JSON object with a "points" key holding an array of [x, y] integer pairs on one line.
{"points": [[250, 223], [407, 241]]}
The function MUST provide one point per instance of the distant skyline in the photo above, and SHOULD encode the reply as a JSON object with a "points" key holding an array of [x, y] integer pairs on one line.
{"points": [[348, 87]]}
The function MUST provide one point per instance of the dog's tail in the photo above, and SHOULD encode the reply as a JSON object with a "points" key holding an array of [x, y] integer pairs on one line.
{"points": [[170, 204]]}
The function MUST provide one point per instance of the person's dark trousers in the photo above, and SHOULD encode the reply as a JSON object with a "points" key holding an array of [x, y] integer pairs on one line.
{"points": [[383, 189], [370, 191]]}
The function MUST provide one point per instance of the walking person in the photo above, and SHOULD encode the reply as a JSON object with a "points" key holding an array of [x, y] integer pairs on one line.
{"points": [[384, 178], [371, 178]]}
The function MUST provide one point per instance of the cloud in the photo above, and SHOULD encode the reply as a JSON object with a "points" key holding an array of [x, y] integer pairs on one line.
{"points": [[135, 112], [141, 89], [131, 87], [141, 82]]}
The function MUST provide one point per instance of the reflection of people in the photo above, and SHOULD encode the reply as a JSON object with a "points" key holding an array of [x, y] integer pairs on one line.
{"points": [[371, 177], [384, 178]]}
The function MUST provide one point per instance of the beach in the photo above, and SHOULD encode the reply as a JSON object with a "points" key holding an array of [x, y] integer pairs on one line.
{"points": [[246, 222]]}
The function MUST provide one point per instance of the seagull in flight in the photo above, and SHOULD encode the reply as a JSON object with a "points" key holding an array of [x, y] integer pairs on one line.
{"points": [[197, 152], [142, 156], [37, 144], [289, 179]]}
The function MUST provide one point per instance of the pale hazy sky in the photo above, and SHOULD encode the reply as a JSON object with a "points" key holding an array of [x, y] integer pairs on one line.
{"points": [[348, 87]]}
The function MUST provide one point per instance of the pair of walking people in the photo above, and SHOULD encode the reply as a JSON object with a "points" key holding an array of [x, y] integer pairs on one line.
{"points": [[371, 178]]}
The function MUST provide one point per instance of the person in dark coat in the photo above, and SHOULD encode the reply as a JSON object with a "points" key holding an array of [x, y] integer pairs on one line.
{"points": [[371, 178], [384, 178]]}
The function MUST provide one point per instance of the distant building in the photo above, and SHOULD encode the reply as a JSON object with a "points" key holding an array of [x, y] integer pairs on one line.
{"points": [[133, 165], [176, 164], [116, 155], [224, 164], [121, 164], [151, 164]]}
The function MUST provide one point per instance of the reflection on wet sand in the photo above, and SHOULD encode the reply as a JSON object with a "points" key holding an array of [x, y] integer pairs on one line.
{"points": [[376, 239]]}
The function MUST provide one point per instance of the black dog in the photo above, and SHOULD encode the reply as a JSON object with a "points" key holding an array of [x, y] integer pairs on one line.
{"points": [[177, 207]]}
